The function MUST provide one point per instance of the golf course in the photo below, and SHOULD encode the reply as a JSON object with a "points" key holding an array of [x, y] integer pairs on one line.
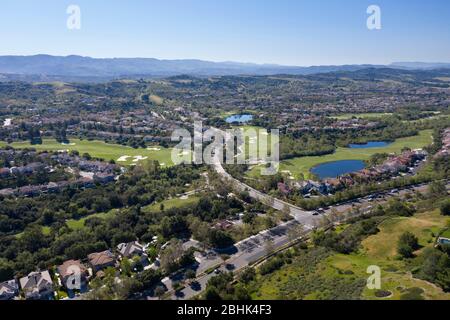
{"points": [[99, 149], [303, 165]]}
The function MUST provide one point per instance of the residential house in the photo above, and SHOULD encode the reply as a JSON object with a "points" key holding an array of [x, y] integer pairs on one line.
{"points": [[9, 290], [223, 225], [72, 273], [6, 192], [283, 188], [131, 249], [102, 260], [5, 172], [103, 177], [37, 286]]}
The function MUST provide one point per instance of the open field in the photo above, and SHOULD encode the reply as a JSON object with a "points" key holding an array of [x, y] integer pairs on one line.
{"points": [[378, 250], [100, 149], [303, 165]]}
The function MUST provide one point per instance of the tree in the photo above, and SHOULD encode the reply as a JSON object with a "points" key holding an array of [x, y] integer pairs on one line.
{"points": [[159, 292], [48, 217], [190, 274], [445, 208], [407, 244], [248, 218], [6, 270], [248, 275], [171, 255], [212, 294], [437, 189], [334, 215], [241, 293], [149, 278], [397, 207], [152, 253], [125, 265], [435, 267], [219, 239], [269, 247], [295, 232], [33, 238]]}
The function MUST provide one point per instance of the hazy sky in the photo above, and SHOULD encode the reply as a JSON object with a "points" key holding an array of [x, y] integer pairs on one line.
{"points": [[290, 32]]}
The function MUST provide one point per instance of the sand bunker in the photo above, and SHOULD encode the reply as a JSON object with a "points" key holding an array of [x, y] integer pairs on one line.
{"points": [[123, 159], [139, 158], [7, 122]]}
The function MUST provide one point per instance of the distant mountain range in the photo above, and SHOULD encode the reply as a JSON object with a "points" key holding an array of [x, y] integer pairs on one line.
{"points": [[41, 67]]}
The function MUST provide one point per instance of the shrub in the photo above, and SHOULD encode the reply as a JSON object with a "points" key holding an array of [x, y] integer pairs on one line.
{"points": [[407, 244], [412, 294], [445, 208], [271, 265]]}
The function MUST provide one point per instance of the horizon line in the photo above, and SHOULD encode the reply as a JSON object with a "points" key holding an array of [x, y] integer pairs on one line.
{"points": [[221, 61]]}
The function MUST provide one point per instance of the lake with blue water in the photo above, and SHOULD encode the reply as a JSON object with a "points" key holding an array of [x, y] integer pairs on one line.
{"points": [[239, 118], [370, 144], [337, 168]]}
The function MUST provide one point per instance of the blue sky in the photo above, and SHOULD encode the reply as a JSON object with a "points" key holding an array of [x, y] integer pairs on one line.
{"points": [[289, 32]]}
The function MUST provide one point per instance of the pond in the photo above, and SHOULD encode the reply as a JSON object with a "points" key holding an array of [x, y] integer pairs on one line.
{"points": [[239, 118], [370, 144], [337, 168]]}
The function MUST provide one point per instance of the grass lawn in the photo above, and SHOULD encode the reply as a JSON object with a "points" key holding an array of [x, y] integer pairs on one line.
{"points": [[79, 224], [100, 149], [446, 234], [172, 203], [303, 165], [45, 230]]}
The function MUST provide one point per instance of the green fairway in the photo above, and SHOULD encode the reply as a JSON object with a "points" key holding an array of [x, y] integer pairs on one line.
{"points": [[172, 203], [99, 149], [79, 224], [253, 142], [303, 165], [360, 115]]}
